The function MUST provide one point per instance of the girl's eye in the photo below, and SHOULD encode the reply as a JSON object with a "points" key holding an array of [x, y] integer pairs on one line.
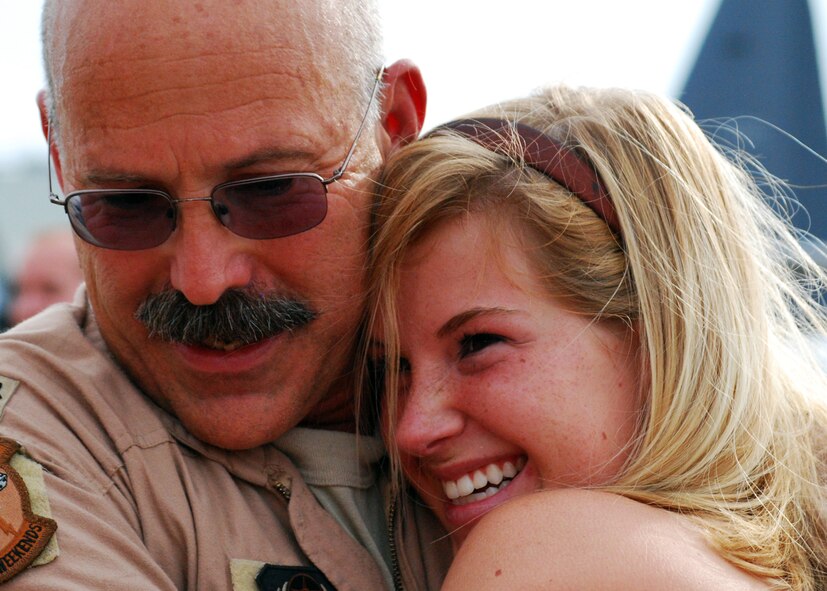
{"points": [[473, 343]]}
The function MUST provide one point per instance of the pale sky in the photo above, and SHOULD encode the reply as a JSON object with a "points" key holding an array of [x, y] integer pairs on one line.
{"points": [[471, 52]]}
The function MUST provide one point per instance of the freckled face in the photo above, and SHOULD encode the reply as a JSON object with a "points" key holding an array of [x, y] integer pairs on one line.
{"points": [[507, 392], [177, 99]]}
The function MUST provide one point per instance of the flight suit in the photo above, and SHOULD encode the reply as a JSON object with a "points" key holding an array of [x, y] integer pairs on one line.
{"points": [[139, 503]]}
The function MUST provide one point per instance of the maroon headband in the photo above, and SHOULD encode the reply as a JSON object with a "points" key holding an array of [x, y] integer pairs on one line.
{"points": [[553, 159]]}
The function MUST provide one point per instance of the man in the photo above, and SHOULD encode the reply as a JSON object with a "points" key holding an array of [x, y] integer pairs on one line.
{"points": [[48, 274], [188, 424]]}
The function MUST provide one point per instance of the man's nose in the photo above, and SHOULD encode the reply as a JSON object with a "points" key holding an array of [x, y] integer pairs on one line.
{"points": [[207, 258], [427, 418]]}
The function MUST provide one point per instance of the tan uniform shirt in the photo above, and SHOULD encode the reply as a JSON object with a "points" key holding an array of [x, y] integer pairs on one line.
{"points": [[141, 504]]}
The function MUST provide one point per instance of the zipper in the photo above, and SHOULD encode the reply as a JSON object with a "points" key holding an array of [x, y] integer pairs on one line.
{"points": [[395, 570]]}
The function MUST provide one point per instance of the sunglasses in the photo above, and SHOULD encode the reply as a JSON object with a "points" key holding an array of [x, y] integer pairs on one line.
{"points": [[260, 208]]}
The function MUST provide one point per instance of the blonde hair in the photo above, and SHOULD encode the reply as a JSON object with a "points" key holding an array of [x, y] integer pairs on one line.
{"points": [[718, 287]]}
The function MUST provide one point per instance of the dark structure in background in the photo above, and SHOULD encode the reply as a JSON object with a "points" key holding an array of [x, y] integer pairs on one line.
{"points": [[759, 64]]}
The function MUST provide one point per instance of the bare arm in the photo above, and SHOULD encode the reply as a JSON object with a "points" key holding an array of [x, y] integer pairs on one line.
{"points": [[574, 539]]}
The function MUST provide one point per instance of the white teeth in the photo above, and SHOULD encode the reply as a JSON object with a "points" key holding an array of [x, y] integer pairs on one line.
{"points": [[465, 486], [509, 470], [489, 492], [486, 481], [451, 490], [494, 474]]}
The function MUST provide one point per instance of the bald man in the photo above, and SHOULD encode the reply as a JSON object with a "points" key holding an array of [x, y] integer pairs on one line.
{"points": [[188, 422]]}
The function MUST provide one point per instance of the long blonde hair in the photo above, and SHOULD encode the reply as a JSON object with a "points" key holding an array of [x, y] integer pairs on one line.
{"points": [[717, 285]]}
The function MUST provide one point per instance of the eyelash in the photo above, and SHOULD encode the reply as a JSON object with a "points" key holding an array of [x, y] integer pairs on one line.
{"points": [[474, 343]]}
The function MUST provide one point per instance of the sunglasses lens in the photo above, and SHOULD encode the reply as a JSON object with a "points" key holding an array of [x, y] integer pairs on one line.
{"points": [[122, 220], [271, 207], [263, 208]]}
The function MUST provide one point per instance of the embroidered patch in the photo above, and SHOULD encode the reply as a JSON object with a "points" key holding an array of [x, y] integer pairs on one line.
{"points": [[32, 474], [292, 578], [243, 573], [23, 535]]}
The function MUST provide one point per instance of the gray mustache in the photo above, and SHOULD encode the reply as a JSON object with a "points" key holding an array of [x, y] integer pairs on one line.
{"points": [[239, 315]]}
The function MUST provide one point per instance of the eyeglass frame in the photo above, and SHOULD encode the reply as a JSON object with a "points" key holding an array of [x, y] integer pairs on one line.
{"points": [[337, 174]]}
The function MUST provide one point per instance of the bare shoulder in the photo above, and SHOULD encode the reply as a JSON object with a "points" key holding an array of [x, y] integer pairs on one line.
{"points": [[576, 539]]}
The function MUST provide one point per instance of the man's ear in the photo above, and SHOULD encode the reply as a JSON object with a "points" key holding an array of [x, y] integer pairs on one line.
{"points": [[45, 123], [403, 107]]}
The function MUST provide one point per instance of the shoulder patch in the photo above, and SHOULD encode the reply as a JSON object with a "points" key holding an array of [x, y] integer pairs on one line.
{"points": [[23, 535], [7, 388]]}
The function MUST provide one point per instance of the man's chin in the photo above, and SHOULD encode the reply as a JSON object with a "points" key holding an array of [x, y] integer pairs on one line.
{"points": [[235, 434]]}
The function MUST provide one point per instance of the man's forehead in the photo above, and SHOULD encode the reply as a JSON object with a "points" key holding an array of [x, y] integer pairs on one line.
{"points": [[131, 56], [205, 42], [172, 31], [135, 95], [198, 85]]}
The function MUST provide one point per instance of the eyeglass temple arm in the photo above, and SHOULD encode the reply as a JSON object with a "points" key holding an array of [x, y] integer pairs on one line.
{"points": [[337, 174], [53, 197]]}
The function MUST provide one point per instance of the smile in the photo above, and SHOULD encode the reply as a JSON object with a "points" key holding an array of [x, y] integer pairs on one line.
{"points": [[482, 483]]}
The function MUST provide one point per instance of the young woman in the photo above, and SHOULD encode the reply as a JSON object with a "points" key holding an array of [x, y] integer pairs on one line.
{"points": [[576, 295]]}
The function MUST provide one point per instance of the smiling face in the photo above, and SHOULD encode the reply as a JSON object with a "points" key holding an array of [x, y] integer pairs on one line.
{"points": [[169, 96], [503, 391]]}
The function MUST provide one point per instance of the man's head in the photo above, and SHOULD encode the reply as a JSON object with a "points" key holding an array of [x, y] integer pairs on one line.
{"points": [[48, 274], [181, 97]]}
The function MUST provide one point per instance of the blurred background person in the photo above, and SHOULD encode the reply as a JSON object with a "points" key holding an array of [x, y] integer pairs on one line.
{"points": [[48, 273]]}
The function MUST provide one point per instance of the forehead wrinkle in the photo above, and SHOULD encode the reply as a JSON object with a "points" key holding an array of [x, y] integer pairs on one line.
{"points": [[172, 80], [218, 64], [89, 34], [198, 107]]}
